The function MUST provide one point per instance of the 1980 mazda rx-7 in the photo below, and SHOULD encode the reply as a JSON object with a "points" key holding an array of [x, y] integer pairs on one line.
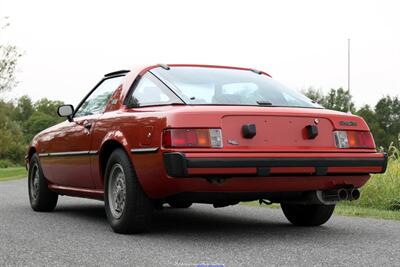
{"points": [[183, 134]]}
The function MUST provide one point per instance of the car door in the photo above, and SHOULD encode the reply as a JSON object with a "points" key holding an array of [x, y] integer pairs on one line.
{"points": [[70, 154]]}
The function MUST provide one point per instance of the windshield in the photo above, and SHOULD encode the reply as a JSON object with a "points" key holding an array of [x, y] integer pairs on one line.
{"points": [[224, 86]]}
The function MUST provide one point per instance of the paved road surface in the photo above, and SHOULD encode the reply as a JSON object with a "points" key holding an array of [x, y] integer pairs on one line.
{"points": [[77, 233]]}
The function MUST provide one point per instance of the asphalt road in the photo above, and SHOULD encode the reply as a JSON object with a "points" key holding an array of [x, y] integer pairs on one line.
{"points": [[77, 233]]}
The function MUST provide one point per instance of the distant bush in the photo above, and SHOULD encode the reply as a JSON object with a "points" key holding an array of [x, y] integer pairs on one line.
{"points": [[5, 163]]}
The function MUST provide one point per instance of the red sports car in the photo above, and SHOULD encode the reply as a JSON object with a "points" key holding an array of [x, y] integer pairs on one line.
{"points": [[183, 134]]}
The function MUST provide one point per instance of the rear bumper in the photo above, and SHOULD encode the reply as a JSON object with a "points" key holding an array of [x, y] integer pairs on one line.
{"points": [[182, 165]]}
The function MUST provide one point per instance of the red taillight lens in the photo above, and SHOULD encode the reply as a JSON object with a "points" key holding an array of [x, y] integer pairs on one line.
{"points": [[354, 139], [210, 138], [366, 140]]}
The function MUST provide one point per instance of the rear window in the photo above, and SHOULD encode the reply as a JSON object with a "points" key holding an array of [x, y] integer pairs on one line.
{"points": [[224, 86]]}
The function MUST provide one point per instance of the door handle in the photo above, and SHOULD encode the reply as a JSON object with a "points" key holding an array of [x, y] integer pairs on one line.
{"points": [[87, 125]]}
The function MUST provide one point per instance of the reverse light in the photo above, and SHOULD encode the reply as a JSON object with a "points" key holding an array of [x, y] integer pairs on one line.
{"points": [[199, 138], [353, 139]]}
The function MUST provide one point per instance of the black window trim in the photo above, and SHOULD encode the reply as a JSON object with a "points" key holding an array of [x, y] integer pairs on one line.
{"points": [[169, 86], [158, 82], [93, 89]]}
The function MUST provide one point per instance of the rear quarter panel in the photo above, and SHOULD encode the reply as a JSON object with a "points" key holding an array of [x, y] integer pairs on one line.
{"points": [[130, 129]]}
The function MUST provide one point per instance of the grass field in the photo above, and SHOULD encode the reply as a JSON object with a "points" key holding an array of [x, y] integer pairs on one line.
{"points": [[349, 210], [382, 191], [12, 173]]}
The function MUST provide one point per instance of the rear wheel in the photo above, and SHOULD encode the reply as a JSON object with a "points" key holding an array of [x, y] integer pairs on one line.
{"points": [[127, 206], [40, 196], [307, 215], [180, 204]]}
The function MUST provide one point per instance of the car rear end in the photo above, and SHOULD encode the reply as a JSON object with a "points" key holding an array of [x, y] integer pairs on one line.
{"points": [[269, 150], [240, 136]]}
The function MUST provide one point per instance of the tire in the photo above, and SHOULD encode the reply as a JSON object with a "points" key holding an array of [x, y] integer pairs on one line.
{"points": [[127, 206], [180, 204], [307, 215], [40, 196]]}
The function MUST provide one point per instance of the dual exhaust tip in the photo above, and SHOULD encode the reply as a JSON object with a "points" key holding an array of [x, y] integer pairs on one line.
{"points": [[347, 194], [333, 196]]}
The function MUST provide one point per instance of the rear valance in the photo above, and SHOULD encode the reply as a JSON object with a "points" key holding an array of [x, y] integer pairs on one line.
{"points": [[178, 165]]}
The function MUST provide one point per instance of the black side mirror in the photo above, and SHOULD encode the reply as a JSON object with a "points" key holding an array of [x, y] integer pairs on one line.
{"points": [[66, 111]]}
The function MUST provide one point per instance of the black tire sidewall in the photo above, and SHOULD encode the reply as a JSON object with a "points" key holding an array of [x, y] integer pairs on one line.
{"points": [[32, 163], [46, 199], [307, 215], [136, 214]]}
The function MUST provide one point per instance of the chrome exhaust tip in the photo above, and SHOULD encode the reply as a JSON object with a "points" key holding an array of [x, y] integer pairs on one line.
{"points": [[355, 194], [342, 194]]}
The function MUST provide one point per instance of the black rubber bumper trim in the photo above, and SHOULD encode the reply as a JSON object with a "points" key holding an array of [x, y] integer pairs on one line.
{"points": [[177, 164]]}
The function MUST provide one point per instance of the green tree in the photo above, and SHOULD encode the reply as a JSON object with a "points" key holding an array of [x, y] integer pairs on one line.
{"points": [[338, 99], [9, 56], [47, 106], [44, 116], [21, 121], [24, 109], [12, 146], [388, 116]]}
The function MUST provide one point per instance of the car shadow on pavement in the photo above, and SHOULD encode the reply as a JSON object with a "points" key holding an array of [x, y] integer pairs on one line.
{"points": [[208, 222], [90, 212], [238, 224], [197, 220]]}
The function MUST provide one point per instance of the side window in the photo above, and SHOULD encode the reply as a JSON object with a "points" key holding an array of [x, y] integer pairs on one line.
{"points": [[98, 99], [149, 92]]}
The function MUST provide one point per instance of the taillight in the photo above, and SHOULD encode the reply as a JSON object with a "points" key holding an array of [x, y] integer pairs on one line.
{"points": [[353, 139], [206, 138]]}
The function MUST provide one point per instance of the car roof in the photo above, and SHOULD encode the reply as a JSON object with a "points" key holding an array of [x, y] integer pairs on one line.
{"points": [[167, 66]]}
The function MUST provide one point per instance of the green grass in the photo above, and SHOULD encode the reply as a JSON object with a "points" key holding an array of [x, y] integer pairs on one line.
{"points": [[382, 191], [350, 210], [12, 173]]}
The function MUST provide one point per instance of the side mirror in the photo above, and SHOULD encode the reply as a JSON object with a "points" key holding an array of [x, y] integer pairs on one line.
{"points": [[66, 111]]}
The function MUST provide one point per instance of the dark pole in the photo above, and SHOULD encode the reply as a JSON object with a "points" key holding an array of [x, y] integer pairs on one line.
{"points": [[348, 75]]}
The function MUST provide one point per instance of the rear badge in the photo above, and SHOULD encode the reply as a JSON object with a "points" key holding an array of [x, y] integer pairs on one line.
{"points": [[233, 142], [348, 123]]}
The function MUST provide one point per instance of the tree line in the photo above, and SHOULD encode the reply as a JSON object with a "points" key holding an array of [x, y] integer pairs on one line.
{"points": [[20, 120]]}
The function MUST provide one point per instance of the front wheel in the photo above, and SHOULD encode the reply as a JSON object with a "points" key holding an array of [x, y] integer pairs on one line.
{"points": [[127, 206], [40, 196], [307, 215]]}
